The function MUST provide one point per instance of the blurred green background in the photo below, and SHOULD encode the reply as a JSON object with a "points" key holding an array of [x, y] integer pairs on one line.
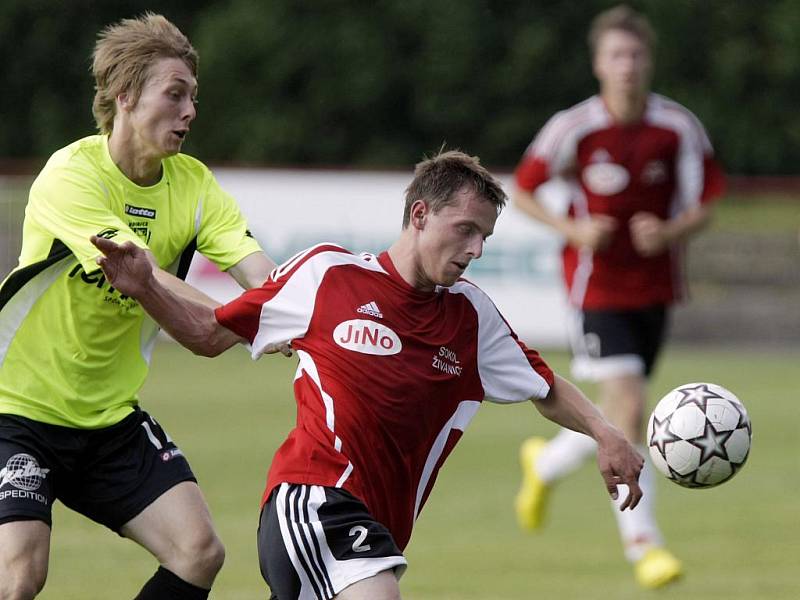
{"points": [[377, 83]]}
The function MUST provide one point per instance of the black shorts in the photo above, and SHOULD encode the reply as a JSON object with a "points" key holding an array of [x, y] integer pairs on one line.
{"points": [[109, 475], [314, 541], [610, 343]]}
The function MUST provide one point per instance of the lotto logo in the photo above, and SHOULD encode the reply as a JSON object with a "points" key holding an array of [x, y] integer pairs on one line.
{"points": [[138, 211], [367, 337], [168, 455]]}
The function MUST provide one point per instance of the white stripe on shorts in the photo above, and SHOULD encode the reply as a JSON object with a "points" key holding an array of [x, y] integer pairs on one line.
{"points": [[321, 575]]}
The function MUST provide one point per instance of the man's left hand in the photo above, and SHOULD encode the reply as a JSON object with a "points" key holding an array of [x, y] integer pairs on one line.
{"points": [[648, 234]]}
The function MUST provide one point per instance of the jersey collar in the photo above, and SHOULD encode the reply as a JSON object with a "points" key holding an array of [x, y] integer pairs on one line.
{"points": [[386, 262]]}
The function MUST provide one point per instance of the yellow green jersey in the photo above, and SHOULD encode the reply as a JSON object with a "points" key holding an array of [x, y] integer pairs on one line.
{"points": [[73, 350]]}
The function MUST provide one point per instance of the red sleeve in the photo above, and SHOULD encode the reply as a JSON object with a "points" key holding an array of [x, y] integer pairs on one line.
{"points": [[242, 315], [531, 172], [714, 180]]}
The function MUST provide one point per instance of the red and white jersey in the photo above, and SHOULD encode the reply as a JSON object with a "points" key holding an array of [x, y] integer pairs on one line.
{"points": [[663, 164], [388, 376]]}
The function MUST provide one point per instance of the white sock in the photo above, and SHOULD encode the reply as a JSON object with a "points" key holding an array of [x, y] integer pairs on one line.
{"points": [[637, 527], [562, 455]]}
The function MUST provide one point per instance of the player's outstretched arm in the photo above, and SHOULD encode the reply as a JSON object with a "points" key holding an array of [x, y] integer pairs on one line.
{"points": [[618, 461], [191, 322], [252, 270]]}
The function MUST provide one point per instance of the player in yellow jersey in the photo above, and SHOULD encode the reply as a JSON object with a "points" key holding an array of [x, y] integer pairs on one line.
{"points": [[74, 351]]}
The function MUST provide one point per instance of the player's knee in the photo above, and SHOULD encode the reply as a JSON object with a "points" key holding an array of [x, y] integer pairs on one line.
{"points": [[214, 556], [22, 583], [202, 554]]}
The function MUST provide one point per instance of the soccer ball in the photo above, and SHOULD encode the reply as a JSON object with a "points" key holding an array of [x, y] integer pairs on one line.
{"points": [[699, 435]]}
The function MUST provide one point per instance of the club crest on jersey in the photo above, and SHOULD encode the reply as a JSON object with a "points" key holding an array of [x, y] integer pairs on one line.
{"points": [[654, 172], [605, 179], [142, 229], [367, 337]]}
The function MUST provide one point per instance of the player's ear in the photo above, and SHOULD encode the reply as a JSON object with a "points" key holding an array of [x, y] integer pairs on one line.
{"points": [[419, 214], [124, 101]]}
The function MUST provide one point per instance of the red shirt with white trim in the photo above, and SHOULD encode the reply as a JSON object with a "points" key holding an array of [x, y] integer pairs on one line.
{"points": [[663, 164], [388, 376]]}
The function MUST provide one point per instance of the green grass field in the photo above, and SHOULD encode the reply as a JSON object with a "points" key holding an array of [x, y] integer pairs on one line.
{"points": [[741, 540]]}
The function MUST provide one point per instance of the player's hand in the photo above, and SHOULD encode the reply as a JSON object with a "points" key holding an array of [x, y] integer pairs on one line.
{"points": [[126, 266], [648, 234], [620, 463], [594, 233], [284, 348]]}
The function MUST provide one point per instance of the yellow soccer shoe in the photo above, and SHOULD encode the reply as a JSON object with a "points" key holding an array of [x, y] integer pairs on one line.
{"points": [[531, 499], [657, 568]]}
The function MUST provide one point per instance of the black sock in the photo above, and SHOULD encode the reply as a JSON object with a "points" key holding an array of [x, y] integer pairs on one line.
{"points": [[165, 585]]}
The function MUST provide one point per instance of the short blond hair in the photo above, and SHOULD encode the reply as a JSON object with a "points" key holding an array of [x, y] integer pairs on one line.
{"points": [[438, 179], [621, 17], [122, 58]]}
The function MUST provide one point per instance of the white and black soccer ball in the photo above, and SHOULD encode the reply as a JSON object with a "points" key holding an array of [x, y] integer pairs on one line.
{"points": [[699, 435]]}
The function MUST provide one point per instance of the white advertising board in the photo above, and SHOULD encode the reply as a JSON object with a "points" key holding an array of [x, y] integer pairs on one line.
{"points": [[289, 210]]}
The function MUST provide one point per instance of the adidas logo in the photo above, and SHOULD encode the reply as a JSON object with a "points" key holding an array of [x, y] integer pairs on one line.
{"points": [[371, 309]]}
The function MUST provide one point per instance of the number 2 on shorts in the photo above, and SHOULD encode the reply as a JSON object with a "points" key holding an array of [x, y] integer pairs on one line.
{"points": [[361, 532]]}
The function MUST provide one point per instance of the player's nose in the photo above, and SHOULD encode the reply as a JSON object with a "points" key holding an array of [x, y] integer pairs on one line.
{"points": [[476, 247], [188, 110]]}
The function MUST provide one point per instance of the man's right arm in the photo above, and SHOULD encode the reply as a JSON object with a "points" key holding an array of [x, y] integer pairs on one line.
{"points": [[618, 461], [594, 232], [190, 322]]}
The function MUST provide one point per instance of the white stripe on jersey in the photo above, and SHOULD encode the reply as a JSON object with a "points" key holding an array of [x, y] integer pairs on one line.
{"points": [[585, 266], [20, 304], [287, 314], [460, 419], [148, 335], [506, 375], [348, 469], [692, 148], [580, 278], [557, 142], [198, 216], [308, 366], [292, 261]]}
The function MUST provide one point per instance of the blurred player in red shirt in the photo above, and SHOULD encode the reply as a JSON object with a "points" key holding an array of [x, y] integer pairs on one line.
{"points": [[396, 353], [641, 176]]}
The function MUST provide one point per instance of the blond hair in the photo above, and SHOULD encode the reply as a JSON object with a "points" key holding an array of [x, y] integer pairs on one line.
{"points": [[438, 179], [122, 58], [621, 17]]}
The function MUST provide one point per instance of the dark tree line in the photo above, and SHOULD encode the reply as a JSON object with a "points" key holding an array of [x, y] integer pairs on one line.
{"points": [[377, 83]]}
